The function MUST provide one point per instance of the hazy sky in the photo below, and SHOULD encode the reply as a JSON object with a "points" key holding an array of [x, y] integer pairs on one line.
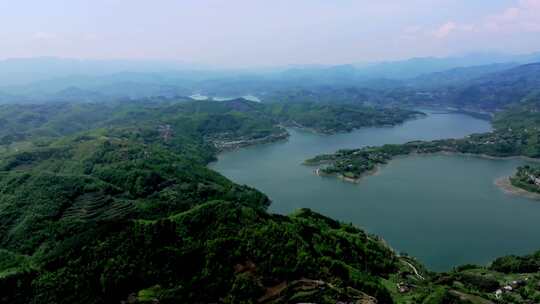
{"points": [[269, 32]]}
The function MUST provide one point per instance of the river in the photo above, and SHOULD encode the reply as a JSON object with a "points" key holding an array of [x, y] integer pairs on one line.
{"points": [[444, 210]]}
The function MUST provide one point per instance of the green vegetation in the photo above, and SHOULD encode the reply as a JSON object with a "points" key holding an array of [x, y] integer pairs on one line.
{"points": [[353, 163], [497, 90], [223, 125], [516, 133], [215, 122], [527, 178], [110, 203], [115, 214], [104, 203], [332, 118]]}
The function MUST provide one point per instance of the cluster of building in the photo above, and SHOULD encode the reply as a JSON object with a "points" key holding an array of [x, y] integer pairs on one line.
{"points": [[403, 287], [534, 179], [510, 287]]}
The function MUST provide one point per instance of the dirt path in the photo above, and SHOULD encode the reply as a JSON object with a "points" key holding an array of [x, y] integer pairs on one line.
{"points": [[414, 269]]}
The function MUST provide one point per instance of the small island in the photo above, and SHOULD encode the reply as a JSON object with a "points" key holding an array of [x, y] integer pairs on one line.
{"points": [[351, 164], [525, 182], [515, 134]]}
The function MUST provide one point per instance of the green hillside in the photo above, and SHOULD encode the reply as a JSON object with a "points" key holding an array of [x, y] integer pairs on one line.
{"points": [[123, 208]]}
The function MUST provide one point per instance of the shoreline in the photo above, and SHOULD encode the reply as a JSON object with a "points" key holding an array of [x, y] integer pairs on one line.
{"points": [[295, 125], [232, 145], [228, 146], [485, 156], [506, 186], [374, 171]]}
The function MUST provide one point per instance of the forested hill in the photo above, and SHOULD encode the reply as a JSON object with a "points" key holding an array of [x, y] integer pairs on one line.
{"points": [[38, 123], [477, 85], [131, 213], [497, 90], [516, 133], [222, 124], [122, 209]]}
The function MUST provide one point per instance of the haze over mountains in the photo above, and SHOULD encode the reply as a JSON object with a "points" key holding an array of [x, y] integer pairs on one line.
{"points": [[117, 196], [34, 80], [270, 152]]}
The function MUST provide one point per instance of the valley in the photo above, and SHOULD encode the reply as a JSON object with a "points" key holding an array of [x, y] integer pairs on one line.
{"points": [[396, 203], [167, 199]]}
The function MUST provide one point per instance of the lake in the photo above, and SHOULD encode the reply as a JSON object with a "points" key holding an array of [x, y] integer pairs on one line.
{"points": [[200, 97], [444, 210]]}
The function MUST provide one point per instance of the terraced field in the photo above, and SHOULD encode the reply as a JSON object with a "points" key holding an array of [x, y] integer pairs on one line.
{"points": [[98, 207]]}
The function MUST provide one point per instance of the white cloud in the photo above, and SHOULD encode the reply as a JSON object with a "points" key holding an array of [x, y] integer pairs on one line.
{"points": [[515, 20], [444, 30], [450, 27], [523, 18]]}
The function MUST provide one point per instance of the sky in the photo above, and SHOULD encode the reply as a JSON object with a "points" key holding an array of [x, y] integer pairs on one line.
{"points": [[248, 33]]}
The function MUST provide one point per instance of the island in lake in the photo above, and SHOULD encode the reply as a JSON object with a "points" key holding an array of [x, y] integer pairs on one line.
{"points": [[516, 133], [114, 202], [527, 178], [525, 182]]}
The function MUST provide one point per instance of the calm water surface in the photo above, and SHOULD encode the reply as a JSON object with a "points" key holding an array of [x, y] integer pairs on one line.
{"points": [[444, 210]]}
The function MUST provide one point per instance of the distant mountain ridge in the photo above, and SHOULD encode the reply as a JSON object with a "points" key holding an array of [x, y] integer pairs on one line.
{"points": [[457, 76], [415, 67], [410, 68], [497, 90], [441, 80], [19, 71]]}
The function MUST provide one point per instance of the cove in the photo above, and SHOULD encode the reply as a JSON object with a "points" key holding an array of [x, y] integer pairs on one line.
{"points": [[444, 210]]}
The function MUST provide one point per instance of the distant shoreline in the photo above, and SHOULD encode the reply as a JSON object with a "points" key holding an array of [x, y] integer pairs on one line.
{"points": [[232, 145], [486, 156], [506, 186], [297, 126]]}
